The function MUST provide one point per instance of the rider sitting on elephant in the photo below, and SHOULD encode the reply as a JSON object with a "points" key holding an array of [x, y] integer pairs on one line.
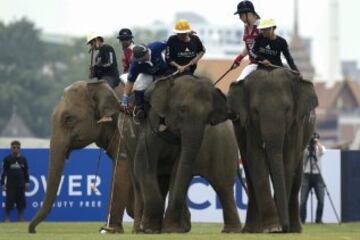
{"points": [[105, 64], [126, 39], [251, 19], [148, 63], [268, 47], [184, 49]]}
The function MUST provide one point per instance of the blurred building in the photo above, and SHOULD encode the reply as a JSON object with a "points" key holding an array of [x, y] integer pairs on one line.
{"points": [[350, 70], [301, 49], [338, 113], [16, 127]]}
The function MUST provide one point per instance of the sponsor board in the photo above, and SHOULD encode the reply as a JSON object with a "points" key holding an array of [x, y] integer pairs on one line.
{"points": [[76, 200]]}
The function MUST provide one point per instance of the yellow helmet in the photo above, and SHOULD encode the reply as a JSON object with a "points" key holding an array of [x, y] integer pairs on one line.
{"points": [[266, 23], [91, 36], [182, 26]]}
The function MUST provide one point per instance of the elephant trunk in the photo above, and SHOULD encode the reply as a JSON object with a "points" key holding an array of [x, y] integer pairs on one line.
{"points": [[274, 140], [191, 139], [58, 152]]}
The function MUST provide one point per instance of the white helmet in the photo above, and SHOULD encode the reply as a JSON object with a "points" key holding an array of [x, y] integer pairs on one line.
{"points": [[91, 36]]}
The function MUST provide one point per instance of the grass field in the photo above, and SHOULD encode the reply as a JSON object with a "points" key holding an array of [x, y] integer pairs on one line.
{"points": [[88, 231]]}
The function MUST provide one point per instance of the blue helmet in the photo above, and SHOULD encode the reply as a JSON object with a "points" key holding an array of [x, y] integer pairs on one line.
{"points": [[245, 7], [125, 34]]}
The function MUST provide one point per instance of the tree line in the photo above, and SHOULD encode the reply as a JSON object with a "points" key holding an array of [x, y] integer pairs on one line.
{"points": [[34, 72]]}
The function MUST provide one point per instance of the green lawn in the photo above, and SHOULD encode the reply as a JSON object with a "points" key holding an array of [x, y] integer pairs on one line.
{"points": [[88, 231]]}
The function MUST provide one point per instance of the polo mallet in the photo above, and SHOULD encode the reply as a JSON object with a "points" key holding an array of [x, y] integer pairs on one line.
{"points": [[120, 129], [222, 76]]}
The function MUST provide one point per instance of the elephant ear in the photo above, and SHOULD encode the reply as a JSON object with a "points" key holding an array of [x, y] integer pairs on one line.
{"points": [[237, 102], [104, 99], [306, 99], [158, 94], [219, 112]]}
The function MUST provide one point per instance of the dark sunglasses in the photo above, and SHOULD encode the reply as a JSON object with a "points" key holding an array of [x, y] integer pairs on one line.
{"points": [[15, 147]]}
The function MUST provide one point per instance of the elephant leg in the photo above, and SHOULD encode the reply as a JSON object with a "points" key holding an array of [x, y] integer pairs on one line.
{"points": [[174, 212], [293, 175], [138, 210], [185, 222], [295, 224], [164, 182], [130, 203], [259, 176], [145, 169], [253, 220], [225, 190], [120, 194]]}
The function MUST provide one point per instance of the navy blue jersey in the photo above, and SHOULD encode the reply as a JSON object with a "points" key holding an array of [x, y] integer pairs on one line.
{"points": [[156, 66], [15, 170]]}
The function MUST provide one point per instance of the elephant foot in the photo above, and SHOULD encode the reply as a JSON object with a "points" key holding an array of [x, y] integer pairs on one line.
{"points": [[151, 227], [272, 229], [112, 228], [296, 228], [232, 228], [174, 229], [285, 228], [137, 228], [187, 227], [151, 231], [251, 228]]}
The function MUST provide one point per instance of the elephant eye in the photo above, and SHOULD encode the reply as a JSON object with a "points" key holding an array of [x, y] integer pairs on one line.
{"points": [[69, 120]]}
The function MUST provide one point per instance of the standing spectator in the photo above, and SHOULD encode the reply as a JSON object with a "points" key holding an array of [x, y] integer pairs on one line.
{"points": [[312, 177], [126, 39], [184, 49], [15, 181]]}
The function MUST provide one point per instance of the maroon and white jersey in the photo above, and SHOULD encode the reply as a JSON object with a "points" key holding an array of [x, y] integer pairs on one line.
{"points": [[249, 39], [127, 57]]}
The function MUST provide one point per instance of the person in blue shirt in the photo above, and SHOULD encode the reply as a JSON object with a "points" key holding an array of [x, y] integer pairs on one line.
{"points": [[148, 64]]}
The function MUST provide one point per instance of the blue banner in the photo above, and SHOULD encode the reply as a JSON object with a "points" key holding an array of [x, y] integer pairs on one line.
{"points": [[76, 201]]}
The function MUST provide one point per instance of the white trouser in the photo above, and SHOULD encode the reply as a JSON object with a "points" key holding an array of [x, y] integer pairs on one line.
{"points": [[123, 78], [246, 71], [142, 82]]}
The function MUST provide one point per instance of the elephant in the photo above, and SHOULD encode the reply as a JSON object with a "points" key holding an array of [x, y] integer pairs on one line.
{"points": [[273, 118], [74, 126], [189, 106]]}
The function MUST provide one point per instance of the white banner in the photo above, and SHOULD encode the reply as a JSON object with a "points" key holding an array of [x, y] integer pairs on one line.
{"points": [[205, 207]]}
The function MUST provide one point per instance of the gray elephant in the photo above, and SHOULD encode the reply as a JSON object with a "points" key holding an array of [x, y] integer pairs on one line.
{"points": [[273, 121], [74, 126], [188, 105]]}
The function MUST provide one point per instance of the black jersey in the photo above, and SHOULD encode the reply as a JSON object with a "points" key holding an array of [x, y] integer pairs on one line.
{"points": [[183, 52], [105, 63], [271, 50], [15, 170]]}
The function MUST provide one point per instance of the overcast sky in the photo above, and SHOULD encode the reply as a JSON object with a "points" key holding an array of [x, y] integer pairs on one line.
{"points": [[77, 17]]}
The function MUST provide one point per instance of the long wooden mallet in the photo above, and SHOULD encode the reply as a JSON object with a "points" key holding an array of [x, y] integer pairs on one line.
{"points": [[222, 76]]}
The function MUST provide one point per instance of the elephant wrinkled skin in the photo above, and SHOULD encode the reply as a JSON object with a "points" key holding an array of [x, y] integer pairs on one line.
{"points": [[74, 127], [274, 124], [188, 105]]}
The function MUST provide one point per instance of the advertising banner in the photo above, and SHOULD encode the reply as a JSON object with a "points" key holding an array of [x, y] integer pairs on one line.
{"points": [[77, 201]]}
